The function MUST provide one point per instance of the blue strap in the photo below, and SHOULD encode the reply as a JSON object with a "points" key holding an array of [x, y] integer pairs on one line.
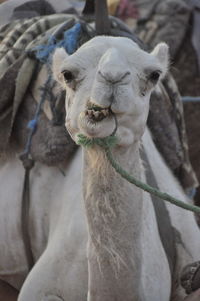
{"points": [[69, 42]]}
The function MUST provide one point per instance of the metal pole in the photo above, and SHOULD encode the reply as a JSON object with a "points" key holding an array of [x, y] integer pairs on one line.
{"points": [[101, 17]]}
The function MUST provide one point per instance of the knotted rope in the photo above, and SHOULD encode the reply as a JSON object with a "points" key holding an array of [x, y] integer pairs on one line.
{"points": [[107, 144]]}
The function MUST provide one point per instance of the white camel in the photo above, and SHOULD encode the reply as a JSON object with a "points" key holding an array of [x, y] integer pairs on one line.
{"points": [[94, 235]]}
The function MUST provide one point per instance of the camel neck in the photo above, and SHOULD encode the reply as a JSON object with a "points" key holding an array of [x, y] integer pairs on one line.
{"points": [[113, 209]]}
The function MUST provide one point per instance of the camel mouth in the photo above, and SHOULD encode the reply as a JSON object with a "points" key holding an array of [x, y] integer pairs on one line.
{"points": [[96, 113]]}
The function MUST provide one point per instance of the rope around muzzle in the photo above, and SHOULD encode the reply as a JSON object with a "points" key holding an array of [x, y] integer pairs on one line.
{"points": [[107, 144]]}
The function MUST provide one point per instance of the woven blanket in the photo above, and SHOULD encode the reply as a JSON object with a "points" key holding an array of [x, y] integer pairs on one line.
{"points": [[19, 68]]}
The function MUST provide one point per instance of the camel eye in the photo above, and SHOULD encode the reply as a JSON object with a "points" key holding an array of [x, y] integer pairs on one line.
{"points": [[68, 76], [154, 76]]}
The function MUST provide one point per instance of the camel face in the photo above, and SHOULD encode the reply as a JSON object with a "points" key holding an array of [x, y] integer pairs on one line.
{"points": [[108, 76]]}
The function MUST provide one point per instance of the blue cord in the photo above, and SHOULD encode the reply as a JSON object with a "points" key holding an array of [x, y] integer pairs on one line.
{"points": [[32, 124]]}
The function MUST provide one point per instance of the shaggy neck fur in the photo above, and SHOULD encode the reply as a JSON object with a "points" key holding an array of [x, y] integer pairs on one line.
{"points": [[114, 225]]}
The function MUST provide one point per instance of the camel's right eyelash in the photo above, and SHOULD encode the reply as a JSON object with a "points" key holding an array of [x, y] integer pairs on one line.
{"points": [[68, 76], [154, 76], [71, 80]]}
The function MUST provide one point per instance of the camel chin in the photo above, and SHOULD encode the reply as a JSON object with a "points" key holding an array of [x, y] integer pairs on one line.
{"points": [[93, 127]]}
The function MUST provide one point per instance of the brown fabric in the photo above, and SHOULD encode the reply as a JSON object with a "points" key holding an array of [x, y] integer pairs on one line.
{"points": [[164, 129], [186, 72], [185, 173], [7, 292], [196, 35], [7, 88], [165, 21], [23, 80], [190, 277], [166, 122], [51, 143], [196, 280], [14, 84], [192, 119]]}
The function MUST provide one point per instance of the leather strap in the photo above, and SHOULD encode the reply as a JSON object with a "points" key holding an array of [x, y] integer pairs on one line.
{"points": [[28, 164], [100, 10], [165, 227], [101, 17]]}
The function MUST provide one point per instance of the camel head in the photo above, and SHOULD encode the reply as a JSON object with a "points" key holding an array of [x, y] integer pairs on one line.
{"points": [[107, 77]]}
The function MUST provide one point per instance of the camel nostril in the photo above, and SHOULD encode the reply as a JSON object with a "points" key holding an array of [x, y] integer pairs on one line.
{"points": [[114, 78]]}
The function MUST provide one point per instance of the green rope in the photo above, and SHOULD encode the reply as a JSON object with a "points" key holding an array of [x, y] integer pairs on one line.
{"points": [[109, 142]]}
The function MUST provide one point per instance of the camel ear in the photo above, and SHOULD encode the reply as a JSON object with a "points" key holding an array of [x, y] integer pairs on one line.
{"points": [[57, 62], [161, 52]]}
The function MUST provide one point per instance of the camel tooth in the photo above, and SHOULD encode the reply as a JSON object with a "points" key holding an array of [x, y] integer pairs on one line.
{"points": [[193, 269], [96, 114], [90, 112], [105, 112]]}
